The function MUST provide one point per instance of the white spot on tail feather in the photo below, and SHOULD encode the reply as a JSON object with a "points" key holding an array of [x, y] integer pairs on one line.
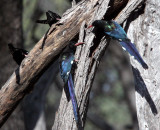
{"points": [[133, 57], [124, 48], [67, 73]]}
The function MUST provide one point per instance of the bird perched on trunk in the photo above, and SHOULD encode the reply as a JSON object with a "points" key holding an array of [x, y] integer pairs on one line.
{"points": [[52, 18], [115, 31], [17, 53], [66, 62]]}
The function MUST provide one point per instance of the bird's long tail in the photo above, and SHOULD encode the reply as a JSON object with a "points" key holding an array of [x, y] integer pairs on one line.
{"points": [[42, 21], [73, 97], [130, 47]]}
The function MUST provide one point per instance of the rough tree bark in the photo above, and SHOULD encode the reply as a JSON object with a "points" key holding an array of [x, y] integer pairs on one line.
{"points": [[144, 30]]}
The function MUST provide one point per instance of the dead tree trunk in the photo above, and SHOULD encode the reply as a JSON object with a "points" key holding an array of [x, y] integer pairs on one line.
{"points": [[144, 30]]}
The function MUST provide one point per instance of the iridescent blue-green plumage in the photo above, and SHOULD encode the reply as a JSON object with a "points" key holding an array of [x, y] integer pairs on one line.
{"points": [[66, 62], [115, 31], [67, 59]]}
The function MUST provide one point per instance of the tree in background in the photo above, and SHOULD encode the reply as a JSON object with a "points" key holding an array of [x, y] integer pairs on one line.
{"points": [[11, 32]]}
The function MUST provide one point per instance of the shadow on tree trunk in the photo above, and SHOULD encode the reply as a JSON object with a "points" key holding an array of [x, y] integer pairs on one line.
{"points": [[141, 88]]}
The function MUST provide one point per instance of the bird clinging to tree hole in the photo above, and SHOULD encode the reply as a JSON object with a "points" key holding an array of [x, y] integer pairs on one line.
{"points": [[66, 66]]}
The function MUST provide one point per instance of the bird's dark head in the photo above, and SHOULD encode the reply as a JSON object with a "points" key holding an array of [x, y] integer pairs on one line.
{"points": [[72, 45], [98, 24], [10, 45]]}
